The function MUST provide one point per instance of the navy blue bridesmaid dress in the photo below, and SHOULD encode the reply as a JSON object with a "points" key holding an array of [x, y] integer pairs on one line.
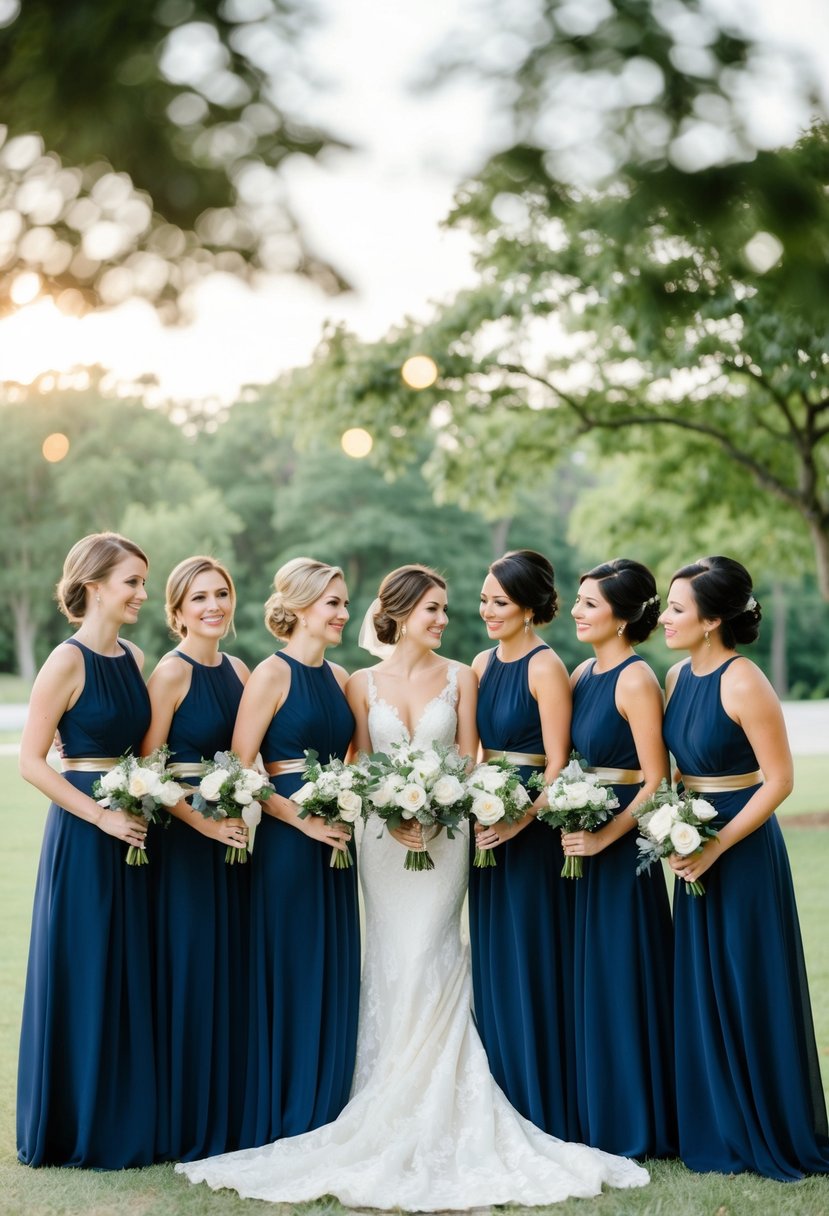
{"points": [[623, 959], [748, 1078], [201, 929], [86, 1077], [305, 935], [520, 926]]}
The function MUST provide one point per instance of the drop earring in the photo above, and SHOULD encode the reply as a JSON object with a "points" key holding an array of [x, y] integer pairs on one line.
{"points": [[403, 631], [620, 631], [97, 597], [707, 639], [526, 624]]}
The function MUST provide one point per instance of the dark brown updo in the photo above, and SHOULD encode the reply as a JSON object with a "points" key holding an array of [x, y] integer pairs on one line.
{"points": [[91, 560], [630, 589], [722, 588], [399, 592], [530, 581]]}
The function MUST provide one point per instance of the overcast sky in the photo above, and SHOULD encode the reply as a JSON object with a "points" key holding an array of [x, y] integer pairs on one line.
{"points": [[374, 212]]}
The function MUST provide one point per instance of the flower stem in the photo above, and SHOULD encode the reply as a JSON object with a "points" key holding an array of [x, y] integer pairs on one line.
{"points": [[418, 860], [340, 859], [572, 868], [484, 858]]}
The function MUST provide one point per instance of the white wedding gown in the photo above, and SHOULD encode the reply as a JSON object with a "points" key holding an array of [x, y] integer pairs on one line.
{"points": [[426, 1128]]}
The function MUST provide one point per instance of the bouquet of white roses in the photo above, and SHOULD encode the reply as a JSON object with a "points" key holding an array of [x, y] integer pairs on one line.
{"points": [[497, 793], [332, 792], [673, 823], [140, 786], [227, 790], [576, 803], [423, 784]]}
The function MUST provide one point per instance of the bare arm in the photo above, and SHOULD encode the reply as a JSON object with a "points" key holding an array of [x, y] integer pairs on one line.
{"points": [[57, 687], [356, 690], [467, 732], [749, 700]]}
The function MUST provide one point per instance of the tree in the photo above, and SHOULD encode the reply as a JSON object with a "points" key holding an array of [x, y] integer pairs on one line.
{"points": [[574, 331], [144, 143]]}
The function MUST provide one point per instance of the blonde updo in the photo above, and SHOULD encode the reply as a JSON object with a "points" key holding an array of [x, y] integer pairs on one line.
{"points": [[399, 592], [180, 581], [296, 585], [91, 560]]}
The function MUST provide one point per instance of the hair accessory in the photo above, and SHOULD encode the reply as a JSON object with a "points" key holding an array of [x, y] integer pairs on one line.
{"points": [[751, 604], [368, 639], [653, 600]]}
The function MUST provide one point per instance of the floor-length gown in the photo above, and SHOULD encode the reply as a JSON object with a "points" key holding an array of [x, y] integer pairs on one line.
{"points": [[427, 1127], [201, 921], [520, 928], [623, 950], [86, 1075], [305, 935], [748, 1078]]}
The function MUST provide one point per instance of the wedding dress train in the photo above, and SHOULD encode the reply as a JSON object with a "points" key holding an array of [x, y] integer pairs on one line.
{"points": [[427, 1128]]}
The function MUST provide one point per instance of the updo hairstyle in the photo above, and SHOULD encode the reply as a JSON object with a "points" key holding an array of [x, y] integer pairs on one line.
{"points": [[722, 588], [180, 581], [630, 589], [399, 592], [296, 585], [529, 580], [91, 560]]}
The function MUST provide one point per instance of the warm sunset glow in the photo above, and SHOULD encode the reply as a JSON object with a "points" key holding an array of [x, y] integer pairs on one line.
{"points": [[356, 442], [25, 287], [420, 371], [55, 447]]}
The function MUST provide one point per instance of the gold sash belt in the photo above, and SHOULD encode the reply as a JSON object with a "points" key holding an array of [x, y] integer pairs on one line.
{"points": [[721, 785], [185, 770], [618, 776], [88, 764], [278, 768], [521, 759]]}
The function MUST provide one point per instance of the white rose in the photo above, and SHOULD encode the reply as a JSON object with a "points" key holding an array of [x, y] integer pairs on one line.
{"points": [[487, 777], [520, 797], [113, 780], [411, 798], [170, 793], [382, 796], [447, 791], [211, 784], [685, 838], [703, 810], [350, 805], [426, 766], [661, 822], [143, 781], [487, 808], [252, 779], [242, 796], [306, 791], [346, 778], [328, 785], [579, 794]]}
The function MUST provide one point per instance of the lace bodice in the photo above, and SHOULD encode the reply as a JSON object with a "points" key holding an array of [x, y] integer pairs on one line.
{"points": [[437, 724]]}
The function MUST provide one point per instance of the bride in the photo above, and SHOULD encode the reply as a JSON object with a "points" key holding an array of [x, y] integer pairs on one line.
{"points": [[427, 1128]]}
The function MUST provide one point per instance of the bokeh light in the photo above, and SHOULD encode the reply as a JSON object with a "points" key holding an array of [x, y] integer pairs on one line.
{"points": [[55, 447], [419, 371], [25, 287], [356, 442]]}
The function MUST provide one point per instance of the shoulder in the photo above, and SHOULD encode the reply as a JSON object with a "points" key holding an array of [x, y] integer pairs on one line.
{"points": [[171, 674], [272, 672], [743, 680], [241, 669], [340, 674], [546, 664], [638, 677], [134, 650], [65, 659], [578, 672], [673, 675], [465, 676], [358, 680], [481, 661]]}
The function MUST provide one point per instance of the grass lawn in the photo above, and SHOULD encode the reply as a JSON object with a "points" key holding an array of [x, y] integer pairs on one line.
{"points": [[673, 1191]]}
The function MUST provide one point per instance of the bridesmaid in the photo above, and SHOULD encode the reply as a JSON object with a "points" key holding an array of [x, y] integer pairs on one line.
{"points": [[520, 911], [305, 937], [201, 903], [749, 1094], [86, 1080], [623, 939]]}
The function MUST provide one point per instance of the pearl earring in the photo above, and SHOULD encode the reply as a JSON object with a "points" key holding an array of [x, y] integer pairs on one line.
{"points": [[97, 597], [526, 624], [620, 631], [403, 631]]}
